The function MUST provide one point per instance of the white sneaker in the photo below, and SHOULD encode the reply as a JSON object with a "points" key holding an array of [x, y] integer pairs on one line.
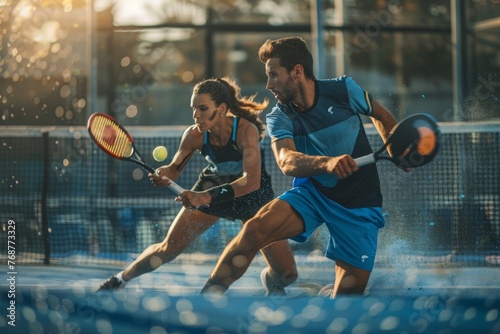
{"points": [[326, 291], [112, 283], [270, 288]]}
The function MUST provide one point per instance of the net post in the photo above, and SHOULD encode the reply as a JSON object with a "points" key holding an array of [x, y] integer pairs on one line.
{"points": [[45, 191]]}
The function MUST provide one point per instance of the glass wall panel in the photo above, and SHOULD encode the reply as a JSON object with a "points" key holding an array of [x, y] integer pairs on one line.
{"points": [[151, 74], [479, 10], [147, 55], [43, 62], [395, 68], [269, 12], [154, 12], [157, 12], [422, 13], [482, 85]]}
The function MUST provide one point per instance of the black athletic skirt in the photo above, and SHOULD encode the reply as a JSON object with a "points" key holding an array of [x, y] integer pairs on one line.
{"points": [[244, 207]]}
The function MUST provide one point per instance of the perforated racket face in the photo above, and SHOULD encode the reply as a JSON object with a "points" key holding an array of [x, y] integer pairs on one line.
{"points": [[109, 136], [416, 141]]}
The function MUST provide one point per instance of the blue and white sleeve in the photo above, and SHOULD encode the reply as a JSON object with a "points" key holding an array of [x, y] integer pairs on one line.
{"points": [[359, 99], [279, 125]]}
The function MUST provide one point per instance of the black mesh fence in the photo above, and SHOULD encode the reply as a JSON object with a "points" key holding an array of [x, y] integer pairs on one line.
{"points": [[71, 203]]}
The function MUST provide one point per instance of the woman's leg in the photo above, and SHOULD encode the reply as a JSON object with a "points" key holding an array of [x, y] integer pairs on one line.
{"points": [[187, 226]]}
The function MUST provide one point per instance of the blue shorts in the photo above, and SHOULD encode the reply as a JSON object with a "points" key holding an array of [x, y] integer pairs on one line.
{"points": [[354, 232]]}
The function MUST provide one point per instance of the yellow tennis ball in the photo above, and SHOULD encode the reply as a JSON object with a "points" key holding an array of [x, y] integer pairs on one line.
{"points": [[160, 153]]}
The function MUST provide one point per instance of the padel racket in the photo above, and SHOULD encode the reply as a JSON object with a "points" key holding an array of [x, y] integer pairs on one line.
{"points": [[414, 142], [113, 139]]}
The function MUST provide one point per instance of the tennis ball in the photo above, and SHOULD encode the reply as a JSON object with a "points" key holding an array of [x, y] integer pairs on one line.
{"points": [[160, 153]]}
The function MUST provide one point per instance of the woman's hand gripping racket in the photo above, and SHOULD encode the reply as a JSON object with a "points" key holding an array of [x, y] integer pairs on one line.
{"points": [[413, 142], [113, 139]]}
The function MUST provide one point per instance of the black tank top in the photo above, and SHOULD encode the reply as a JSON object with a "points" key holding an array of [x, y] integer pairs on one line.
{"points": [[225, 164], [226, 160]]}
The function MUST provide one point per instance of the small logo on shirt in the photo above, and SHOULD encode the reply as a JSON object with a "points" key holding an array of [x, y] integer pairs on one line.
{"points": [[330, 110], [363, 258]]}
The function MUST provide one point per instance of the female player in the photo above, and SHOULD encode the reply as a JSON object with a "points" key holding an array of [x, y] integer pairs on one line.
{"points": [[234, 185]]}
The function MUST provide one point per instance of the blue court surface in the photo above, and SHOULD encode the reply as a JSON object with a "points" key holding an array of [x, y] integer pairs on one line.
{"points": [[399, 299]]}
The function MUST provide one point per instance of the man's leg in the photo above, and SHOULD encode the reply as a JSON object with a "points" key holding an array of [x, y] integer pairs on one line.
{"points": [[281, 270], [275, 221], [349, 279]]}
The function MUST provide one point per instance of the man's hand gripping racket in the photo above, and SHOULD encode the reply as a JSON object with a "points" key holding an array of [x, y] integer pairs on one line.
{"points": [[113, 139], [413, 142]]}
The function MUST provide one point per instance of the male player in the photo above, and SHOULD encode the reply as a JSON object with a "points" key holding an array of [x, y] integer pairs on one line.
{"points": [[315, 130]]}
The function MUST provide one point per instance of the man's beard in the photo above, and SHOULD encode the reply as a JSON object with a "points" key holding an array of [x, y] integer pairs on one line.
{"points": [[289, 92]]}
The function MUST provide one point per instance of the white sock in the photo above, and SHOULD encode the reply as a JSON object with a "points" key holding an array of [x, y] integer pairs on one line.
{"points": [[120, 279]]}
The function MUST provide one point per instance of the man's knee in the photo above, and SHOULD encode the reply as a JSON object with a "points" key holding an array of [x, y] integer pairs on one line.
{"points": [[253, 235]]}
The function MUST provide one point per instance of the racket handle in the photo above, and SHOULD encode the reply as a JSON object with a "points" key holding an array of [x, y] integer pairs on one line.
{"points": [[177, 189], [365, 160]]}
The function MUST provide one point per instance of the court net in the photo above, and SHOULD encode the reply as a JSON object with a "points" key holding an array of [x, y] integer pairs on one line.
{"points": [[71, 203]]}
